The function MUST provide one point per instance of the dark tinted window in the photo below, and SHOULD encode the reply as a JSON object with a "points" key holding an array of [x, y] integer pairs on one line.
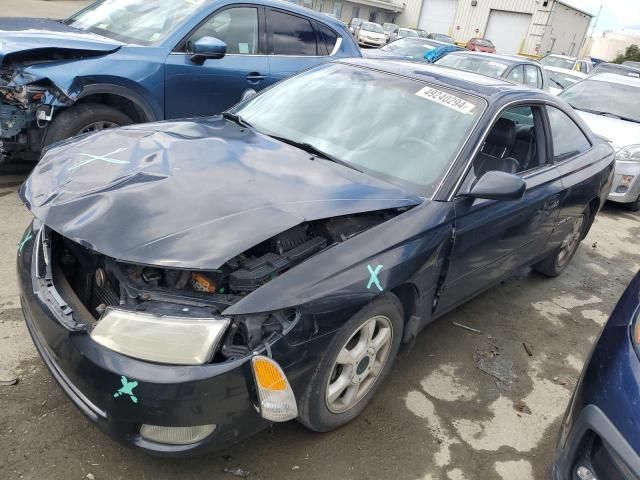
{"points": [[568, 139], [290, 35], [329, 37]]}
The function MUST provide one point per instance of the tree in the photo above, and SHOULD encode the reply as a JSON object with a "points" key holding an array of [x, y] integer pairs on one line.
{"points": [[631, 53]]}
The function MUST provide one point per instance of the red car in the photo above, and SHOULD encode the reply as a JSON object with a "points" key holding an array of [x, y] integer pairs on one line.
{"points": [[481, 45]]}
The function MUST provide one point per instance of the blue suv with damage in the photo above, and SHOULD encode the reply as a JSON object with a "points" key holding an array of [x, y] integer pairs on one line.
{"points": [[115, 63]]}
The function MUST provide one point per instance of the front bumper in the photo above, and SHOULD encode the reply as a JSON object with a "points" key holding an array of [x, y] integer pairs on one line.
{"points": [[618, 192], [371, 42], [180, 396]]}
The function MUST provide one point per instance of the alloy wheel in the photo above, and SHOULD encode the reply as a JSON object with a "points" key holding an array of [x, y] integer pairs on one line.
{"points": [[359, 364], [571, 242]]}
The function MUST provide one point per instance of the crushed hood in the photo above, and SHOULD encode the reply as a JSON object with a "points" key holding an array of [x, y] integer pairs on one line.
{"points": [[620, 133], [191, 194], [25, 37]]}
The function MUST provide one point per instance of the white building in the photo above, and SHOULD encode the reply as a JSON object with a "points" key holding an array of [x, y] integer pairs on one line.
{"points": [[514, 26], [611, 44]]}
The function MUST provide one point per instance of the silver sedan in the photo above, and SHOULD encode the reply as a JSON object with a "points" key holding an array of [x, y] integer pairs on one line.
{"points": [[610, 105]]}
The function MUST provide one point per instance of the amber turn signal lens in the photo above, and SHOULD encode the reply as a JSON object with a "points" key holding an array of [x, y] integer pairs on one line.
{"points": [[268, 375]]}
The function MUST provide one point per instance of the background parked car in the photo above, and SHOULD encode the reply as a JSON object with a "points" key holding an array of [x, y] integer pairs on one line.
{"points": [[407, 32], [626, 70], [371, 34], [600, 434], [480, 45], [441, 37], [566, 62], [513, 68], [391, 31], [561, 78], [421, 49], [610, 105], [630, 63], [354, 25], [99, 70]]}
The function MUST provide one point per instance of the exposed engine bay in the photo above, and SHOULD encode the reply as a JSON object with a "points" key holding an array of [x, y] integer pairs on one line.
{"points": [[97, 281]]}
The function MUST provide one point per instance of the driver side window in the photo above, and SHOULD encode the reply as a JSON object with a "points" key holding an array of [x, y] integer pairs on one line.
{"points": [[237, 27], [515, 144]]}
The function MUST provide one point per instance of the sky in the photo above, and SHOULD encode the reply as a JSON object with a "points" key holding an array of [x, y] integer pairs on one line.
{"points": [[616, 14]]}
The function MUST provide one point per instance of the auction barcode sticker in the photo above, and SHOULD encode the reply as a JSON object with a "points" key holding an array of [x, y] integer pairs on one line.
{"points": [[446, 99]]}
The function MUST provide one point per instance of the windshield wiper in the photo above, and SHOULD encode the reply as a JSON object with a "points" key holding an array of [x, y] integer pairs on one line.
{"points": [[557, 83], [315, 151], [607, 114], [234, 117]]}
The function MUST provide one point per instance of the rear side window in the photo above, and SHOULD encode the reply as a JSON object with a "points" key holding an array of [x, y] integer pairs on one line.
{"points": [[568, 139], [516, 75], [290, 35], [532, 76], [327, 37]]}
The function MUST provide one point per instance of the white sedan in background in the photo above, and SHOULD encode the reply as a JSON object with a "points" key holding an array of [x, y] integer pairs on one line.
{"points": [[610, 105], [561, 78], [371, 35]]}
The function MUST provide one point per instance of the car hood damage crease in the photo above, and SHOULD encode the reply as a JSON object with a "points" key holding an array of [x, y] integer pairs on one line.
{"points": [[191, 194]]}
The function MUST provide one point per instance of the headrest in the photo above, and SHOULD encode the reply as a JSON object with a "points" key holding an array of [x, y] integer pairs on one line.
{"points": [[503, 133], [524, 132]]}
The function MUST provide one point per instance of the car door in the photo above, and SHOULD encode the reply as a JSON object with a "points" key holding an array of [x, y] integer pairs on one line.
{"points": [[572, 152], [213, 85], [295, 43], [494, 238]]}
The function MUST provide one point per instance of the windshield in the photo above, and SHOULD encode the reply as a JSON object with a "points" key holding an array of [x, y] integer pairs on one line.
{"points": [[389, 27], [484, 66], [372, 27], [409, 47], [441, 37], [405, 32], [562, 80], [558, 62], [614, 99], [356, 21], [394, 128], [143, 22]]}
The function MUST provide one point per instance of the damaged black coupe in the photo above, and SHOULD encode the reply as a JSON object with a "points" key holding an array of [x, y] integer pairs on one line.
{"points": [[189, 282]]}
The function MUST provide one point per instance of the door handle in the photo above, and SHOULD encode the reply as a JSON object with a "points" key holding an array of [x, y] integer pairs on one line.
{"points": [[254, 77]]}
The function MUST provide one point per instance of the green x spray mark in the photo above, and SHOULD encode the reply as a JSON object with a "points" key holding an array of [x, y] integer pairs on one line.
{"points": [[373, 277], [127, 389], [24, 241]]}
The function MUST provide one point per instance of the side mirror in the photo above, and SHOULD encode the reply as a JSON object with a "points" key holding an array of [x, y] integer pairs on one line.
{"points": [[208, 47], [497, 185]]}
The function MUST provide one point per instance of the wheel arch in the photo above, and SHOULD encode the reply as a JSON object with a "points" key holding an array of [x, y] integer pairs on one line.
{"points": [[130, 102], [409, 297], [594, 208]]}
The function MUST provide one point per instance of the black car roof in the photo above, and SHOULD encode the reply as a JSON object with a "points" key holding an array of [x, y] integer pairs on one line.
{"points": [[473, 83]]}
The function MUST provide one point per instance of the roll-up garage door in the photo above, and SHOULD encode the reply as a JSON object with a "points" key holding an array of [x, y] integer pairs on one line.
{"points": [[436, 16], [507, 30]]}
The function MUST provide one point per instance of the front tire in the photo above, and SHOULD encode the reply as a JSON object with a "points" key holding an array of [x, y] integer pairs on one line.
{"points": [[354, 367], [555, 264], [84, 118]]}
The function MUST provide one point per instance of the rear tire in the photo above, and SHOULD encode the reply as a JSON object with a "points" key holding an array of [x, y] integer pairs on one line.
{"points": [[559, 259], [84, 118], [372, 339]]}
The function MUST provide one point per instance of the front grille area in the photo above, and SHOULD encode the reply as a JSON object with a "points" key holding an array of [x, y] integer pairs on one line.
{"points": [[84, 271]]}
